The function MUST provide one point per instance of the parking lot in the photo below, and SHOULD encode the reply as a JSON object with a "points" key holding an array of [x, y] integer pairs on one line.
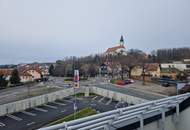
{"points": [[39, 116]]}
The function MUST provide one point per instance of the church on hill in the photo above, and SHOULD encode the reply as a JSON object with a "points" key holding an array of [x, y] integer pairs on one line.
{"points": [[119, 49]]}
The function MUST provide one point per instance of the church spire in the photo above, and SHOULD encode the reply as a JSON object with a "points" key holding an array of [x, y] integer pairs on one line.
{"points": [[121, 41]]}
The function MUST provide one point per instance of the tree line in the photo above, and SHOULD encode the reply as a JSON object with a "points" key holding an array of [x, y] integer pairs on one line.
{"points": [[89, 65], [169, 55]]}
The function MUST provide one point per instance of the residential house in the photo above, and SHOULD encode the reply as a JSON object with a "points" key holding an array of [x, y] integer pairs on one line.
{"points": [[178, 65], [136, 72], [25, 77], [169, 72], [6, 73], [152, 69], [36, 73], [103, 70]]}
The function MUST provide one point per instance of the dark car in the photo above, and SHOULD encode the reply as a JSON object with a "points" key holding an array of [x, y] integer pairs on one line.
{"points": [[129, 81], [166, 82], [185, 89]]}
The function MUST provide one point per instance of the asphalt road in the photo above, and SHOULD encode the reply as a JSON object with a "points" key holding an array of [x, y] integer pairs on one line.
{"points": [[125, 90], [21, 92], [37, 117]]}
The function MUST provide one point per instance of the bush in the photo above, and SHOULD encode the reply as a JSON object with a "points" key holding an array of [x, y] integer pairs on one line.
{"points": [[83, 78], [113, 81], [68, 79], [71, 79]]}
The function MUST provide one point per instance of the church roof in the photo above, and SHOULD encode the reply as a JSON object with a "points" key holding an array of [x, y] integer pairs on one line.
{"points": [[113, 49]]}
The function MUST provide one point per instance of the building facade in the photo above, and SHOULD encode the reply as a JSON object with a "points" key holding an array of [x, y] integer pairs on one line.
{"points": [[119, 49]]}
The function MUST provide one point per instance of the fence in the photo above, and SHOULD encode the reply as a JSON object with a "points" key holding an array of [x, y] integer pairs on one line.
{"points": [[112, 120]]}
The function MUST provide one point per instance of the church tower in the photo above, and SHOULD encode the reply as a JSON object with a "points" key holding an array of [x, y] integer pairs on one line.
{"points": [[121, 41]]}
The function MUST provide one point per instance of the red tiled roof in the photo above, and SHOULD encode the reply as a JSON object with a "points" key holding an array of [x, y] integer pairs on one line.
{"points": [[24, 74], [113, 49], [27, 68], [152, 67], [6, 72]]}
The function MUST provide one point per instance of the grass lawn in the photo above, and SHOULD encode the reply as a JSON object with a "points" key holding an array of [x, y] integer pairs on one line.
{"points": [[71, 79], [79, 114]]}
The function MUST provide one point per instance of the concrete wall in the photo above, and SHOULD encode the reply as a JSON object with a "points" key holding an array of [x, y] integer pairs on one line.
{"points": [[173, 123], [116, 95], [170, 124], [184, 120], [43, 99], [34, 101]]}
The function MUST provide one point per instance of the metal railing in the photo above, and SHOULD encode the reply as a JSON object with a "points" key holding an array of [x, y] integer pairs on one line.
{"points": [[124, 116]]}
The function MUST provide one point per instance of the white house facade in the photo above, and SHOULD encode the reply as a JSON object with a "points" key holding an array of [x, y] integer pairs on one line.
{"points": [[179, 66]]}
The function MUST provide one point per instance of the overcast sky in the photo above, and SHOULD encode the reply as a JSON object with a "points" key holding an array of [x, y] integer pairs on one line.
{"points": [[47, 30]]}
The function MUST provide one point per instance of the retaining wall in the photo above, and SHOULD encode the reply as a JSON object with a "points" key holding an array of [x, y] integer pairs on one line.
{"points": [[34, 101], [43, 99], [117, 96]]}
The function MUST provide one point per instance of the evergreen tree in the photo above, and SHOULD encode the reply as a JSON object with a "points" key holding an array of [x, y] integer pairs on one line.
{"points": [[3, 82], [51, 70], [15, 79]]}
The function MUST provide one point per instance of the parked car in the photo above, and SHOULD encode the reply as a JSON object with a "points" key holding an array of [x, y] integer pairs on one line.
{"points": [[129, 81], [166, 82], [120, 82], [185, 89]]}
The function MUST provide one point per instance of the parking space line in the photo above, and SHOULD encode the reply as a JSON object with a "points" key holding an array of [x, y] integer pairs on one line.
{"points": [[118, 103], [109, 102], [50, 106], [32, 123], [40, 109], [67, 101], [14, 117], [2, 124], [58, 103], [101, 99], [94, 97], [92, 104], [28, 113]]}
